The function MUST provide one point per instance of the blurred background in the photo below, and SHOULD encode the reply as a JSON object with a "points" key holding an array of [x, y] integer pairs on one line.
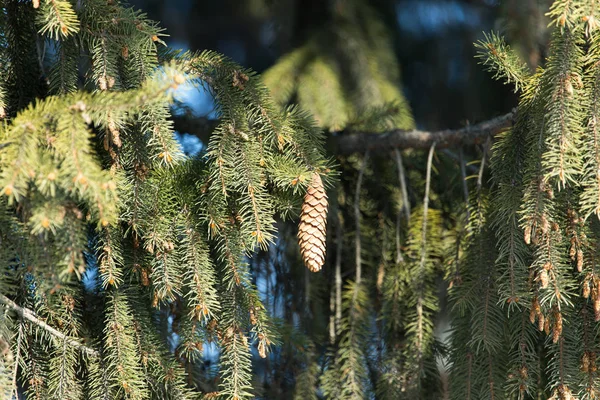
{"points": [[432, 41]]}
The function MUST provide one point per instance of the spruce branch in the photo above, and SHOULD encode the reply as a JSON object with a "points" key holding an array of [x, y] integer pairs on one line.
{"points": [[354, 142], [502, 61], [30, 316], [350, 142]]}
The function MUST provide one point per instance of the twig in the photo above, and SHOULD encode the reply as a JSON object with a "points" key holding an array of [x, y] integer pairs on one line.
{"points": [[32, 317], [463, 174], [423, 254], [339, 232], [17, 360], [486, 148], [405, 203], [357, 243]]}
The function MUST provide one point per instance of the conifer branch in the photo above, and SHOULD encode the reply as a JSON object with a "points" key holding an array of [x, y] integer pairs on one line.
{"points": [[345, 143], [29, 315], [359, 141]]}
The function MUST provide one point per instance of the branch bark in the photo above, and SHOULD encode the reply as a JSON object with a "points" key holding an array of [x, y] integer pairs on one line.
{"points": [[377, 142], [345, 143], [32, 317]]}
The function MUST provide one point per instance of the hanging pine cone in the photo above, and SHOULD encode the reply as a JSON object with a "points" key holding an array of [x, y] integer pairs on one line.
{"points": [[313, 225]]}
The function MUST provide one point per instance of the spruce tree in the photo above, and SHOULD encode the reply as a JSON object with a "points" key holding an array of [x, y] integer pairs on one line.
{"points": [[133, 271], [109, 235]]}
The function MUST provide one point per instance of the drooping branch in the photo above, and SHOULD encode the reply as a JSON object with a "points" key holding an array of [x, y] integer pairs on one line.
{"points": [[345, 143], [33, 318]]}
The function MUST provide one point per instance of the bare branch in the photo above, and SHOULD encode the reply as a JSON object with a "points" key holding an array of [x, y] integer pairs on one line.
{"points": [[344, 143], [473, 134], [32, 317]]}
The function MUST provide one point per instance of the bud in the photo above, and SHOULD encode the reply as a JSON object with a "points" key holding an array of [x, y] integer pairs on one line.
{"points": [[586, 289], [8, 190], [262, 350], [527, 234], [543, 278], [523, 372], [102, 83], [558, 327], [179, 79], [45, 223], [585, 362], [562, 20], [545, 224]]}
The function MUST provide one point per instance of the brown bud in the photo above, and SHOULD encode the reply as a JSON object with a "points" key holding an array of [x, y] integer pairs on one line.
{"points": [[523, 372], [102, 84], [240, 79], [586, 289], [532, 316], [543, 278], [545, 224], [558, 327], [262, 349], [527, 234], [253, 319], [585, 362]]}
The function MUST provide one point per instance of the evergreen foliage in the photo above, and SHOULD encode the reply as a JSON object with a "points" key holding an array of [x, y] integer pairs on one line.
{"points": [[132, 271], [108, 234], [544, 224]]}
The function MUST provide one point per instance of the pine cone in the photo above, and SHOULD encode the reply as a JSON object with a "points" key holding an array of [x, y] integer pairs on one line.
{"points": [[313, 225]]}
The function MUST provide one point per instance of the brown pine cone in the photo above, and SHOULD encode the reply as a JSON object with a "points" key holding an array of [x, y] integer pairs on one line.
{"points": [[313, 225]]}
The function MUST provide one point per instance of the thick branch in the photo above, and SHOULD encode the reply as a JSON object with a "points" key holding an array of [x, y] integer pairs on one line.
{"points": [[357, 142], [31, 317], [344, 143]]}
